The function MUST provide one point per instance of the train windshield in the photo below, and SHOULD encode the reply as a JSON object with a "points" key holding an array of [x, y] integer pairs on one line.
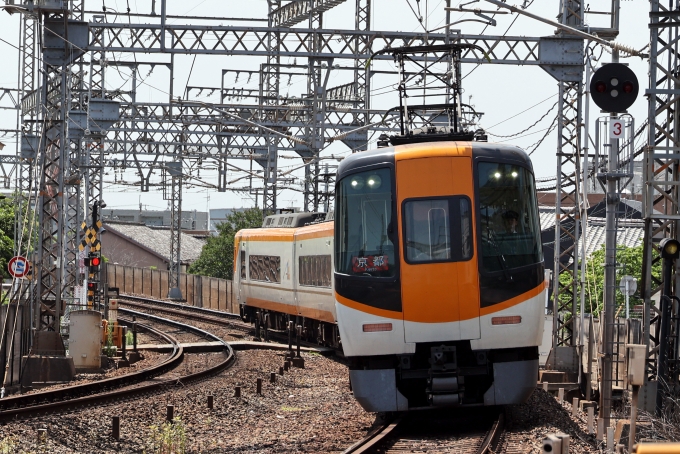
{"points": [[362, 225], [510, 231]]}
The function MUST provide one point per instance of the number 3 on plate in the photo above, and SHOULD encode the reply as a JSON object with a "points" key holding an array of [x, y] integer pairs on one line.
{"points": [[616, 130]]}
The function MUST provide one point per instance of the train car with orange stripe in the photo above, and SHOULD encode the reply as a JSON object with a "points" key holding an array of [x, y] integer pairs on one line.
{"points": [[438, 283], [283, 273]]}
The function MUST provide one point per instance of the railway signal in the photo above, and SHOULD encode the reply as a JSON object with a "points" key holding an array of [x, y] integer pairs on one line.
{"points": [[93, 262], [91, 291], [614, 87]]}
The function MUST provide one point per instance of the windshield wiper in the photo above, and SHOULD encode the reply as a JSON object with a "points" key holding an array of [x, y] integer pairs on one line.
{"points": [[501, 257]]}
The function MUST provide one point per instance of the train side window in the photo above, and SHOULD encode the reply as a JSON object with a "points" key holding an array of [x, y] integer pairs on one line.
{"points": [[265, 268], [243, 264], [315, 270]]}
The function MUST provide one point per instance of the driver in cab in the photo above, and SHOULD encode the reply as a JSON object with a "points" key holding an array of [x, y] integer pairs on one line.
{"points": [[510, 220]]}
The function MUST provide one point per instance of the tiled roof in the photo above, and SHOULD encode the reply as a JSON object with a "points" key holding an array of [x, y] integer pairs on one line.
{"points": [[546, 218], [630, 232], [157, 239]]}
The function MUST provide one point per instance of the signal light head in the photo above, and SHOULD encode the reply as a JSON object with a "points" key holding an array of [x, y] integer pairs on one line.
{"points": [[614, 87], [95, 261], [670, 248], [91, 285]]}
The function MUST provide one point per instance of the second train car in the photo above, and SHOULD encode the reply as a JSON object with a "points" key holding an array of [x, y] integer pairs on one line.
{"points": [[429, 274]]}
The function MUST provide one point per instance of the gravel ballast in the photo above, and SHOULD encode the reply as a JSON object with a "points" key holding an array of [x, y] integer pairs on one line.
{"points": [[306, 410]]}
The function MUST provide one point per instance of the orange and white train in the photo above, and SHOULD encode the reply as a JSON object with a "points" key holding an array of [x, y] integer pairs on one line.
{"points": [[429, 274]]}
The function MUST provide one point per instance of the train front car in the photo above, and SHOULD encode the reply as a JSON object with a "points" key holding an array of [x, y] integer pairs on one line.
{"points": [[439, 275]]}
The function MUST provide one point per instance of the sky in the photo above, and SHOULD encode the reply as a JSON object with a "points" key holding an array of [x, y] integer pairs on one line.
{"points": [[511, 97]]}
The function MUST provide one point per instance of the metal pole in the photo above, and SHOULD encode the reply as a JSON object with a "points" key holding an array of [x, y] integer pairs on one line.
{"points": [[609, 277], [584, 202], [627, 301], [584, 221], [661, 375], [633, 418]]}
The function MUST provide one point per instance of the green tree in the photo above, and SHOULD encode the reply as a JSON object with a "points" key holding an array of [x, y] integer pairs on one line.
{"points": [[7, 227], [8, 211], [629, 262], [217, 256]]}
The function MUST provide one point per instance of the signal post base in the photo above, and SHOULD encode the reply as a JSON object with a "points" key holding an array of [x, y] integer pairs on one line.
{"points": [[42, 371]]}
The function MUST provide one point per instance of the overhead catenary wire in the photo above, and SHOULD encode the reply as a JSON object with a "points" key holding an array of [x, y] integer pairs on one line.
{"points": [[527, 128], [547, 133], [339, 137]]}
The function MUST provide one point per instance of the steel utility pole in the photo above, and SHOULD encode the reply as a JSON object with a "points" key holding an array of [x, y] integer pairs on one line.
{"points": [[614, 88], [662, 182], [609, 276]]}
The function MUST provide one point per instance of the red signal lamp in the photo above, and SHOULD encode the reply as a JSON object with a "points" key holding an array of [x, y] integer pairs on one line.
{"points": [[95, 261], [600, 87], [628, 87], [92, 286]]}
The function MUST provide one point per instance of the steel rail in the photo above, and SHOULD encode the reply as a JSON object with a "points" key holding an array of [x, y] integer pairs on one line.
{"points": [[134, 392], [221, 318], [182, 310], [30, 400], [374, 441], [373, 438], [491, 440], [189, 328]]}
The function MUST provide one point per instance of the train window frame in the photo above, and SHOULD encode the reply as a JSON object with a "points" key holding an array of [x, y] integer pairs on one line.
{"points": [[243, 271], [478, 214], [394, 221], [455, 229], [277, 276]]}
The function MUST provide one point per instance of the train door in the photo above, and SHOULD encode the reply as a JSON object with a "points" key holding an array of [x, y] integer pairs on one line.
{"points": [[292, 272], [242, 271], [440, 285]]}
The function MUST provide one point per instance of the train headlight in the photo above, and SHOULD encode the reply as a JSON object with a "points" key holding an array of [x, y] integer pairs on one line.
{"points": [[357, 183], [373, 181]]}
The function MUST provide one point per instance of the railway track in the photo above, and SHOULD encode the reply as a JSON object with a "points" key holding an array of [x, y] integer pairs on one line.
{"points": [[109, 390], [433, 431], [209, 316], [199, 313], [183, 311]]}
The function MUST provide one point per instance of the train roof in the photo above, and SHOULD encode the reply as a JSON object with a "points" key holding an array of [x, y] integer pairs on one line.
{"points": [[389, 155]]}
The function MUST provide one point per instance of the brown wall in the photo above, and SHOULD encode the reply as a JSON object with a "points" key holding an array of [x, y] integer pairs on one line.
{"points": [[200, 291], [548, 199], [118, 249]]}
